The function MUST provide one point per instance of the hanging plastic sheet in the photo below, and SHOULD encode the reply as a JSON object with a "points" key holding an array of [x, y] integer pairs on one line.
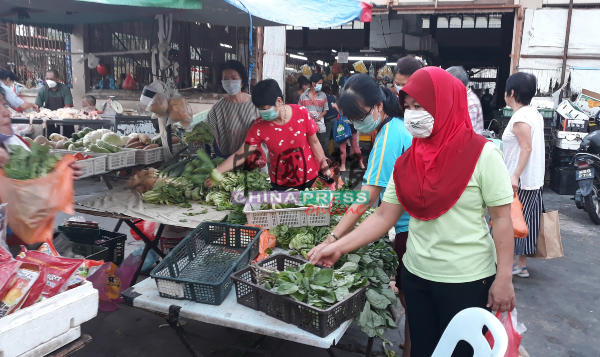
{"points": [[308, 13]]}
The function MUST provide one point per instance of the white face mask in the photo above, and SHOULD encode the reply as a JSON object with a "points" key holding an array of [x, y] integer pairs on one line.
{"points": [[50, 83], [398, 88], [418, 122], [232, 86]]}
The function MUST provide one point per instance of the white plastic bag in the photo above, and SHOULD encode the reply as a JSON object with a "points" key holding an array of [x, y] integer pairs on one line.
{"points": [[180, 111], [159, 105]]}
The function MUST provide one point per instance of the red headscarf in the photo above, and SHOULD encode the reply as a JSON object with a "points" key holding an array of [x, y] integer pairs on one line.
{"points": [[434, 172]]}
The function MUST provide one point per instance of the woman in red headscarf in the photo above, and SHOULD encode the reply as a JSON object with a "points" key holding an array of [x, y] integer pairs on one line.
{"points": [[445, 180]]}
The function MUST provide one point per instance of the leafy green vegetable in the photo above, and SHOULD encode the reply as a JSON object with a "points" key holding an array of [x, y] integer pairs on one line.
{"points": [[200, 134], [312, 285], [27, 165], [165, 193]]}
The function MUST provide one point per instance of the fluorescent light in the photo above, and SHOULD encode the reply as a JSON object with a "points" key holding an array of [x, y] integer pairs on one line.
{"points": [[391, 63], [356, 58], [225, 45], [300, 53], [320, 63], [298, 57], [334, 51]]}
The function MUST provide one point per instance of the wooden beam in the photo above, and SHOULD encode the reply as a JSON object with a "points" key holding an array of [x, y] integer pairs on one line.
{"points": [[566, 49]]}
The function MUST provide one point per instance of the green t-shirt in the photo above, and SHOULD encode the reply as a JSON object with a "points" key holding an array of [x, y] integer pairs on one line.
{"points": [[44, 93], [457, 246]]}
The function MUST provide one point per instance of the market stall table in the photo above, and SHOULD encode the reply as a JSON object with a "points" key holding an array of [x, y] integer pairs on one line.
{"points": [[145, 296], [127, 205]]}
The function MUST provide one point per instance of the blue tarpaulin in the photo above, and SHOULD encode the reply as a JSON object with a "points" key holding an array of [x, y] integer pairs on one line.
{"points": [[307, 13]]}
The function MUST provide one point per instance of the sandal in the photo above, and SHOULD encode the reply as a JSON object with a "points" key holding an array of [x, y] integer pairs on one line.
{"points": [[521, 272]]}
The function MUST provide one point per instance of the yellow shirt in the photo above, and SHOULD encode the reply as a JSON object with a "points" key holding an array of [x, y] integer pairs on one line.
{"points": [[457, 246]]}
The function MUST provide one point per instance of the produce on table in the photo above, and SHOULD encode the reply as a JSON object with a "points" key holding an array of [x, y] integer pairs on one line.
{"points": [[143, 181], [200, 134], [166, 194], [27, 165], [111, 138], [317, 287], [198, 170], [62, 113], [79, 156]]}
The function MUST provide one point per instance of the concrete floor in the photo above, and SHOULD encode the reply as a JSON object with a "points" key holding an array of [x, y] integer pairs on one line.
{"points": [[559, 305]]}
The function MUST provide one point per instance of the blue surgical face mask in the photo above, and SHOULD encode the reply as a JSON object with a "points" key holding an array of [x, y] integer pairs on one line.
{"points": [[4, 137], [318, 87], [367, 125], [269, 114]]}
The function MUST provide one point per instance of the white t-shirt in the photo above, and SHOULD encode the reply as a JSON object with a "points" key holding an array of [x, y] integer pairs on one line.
{"points": [[532, 177]]}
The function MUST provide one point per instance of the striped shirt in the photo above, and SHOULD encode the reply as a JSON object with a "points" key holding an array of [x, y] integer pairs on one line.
{"points": [[229, 123], [318, 105], [475, 111], [391, 142]]}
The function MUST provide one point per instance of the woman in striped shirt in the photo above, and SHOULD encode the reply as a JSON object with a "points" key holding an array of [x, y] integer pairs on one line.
{"points": [[231, 117]]}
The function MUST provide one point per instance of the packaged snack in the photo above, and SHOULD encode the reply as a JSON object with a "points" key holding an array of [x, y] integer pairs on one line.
{"points": [[3, 226], [8, 275], [35, 293], [159, 105], [5, 255], [48, 248], [179, 110], [59, 270], [16, 295], [87, 268]]}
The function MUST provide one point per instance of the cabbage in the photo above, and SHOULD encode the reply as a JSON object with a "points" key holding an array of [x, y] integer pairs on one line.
{"points": [[111, 138], [92, 137], [104, 131], [133, 135], [124, 140]]}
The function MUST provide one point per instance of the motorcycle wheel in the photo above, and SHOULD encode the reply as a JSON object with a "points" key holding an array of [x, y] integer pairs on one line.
{"points": [[592, 206]]}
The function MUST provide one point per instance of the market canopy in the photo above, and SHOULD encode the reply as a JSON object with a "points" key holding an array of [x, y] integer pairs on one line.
{"points": [[308, 13]]}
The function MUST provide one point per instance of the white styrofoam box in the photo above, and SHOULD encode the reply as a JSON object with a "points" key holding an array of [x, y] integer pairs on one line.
{"points": [[293, 217], [39, 324], [570, 111], [55, 343], [569, 140]]}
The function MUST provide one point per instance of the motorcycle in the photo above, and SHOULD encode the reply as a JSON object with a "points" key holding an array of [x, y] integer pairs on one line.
{"points": [[587, 175]]}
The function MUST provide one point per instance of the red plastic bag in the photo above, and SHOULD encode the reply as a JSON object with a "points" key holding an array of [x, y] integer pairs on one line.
{"points": [[129, 83], [266, 241], [148, 228], [33, 204], [514, 339], [256, 160]]}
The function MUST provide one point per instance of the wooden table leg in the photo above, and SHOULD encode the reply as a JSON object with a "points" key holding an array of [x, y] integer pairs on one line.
{"points": [[118, 226]]}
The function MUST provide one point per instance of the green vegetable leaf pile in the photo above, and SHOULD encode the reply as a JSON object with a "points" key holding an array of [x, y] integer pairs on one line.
{"points": [[200, 134], [377, 262], [27, 165], [320, 288], [165, 194]]}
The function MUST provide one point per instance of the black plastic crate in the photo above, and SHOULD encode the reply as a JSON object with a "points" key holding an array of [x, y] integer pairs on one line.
{"points": [[562, 180], [114, 241], [562, 157], [90, 252], [316, 321], [81, 235], [200, 267]]}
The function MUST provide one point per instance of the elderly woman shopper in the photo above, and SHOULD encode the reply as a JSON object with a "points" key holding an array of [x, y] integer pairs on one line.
{"points": [[364, 101], [445, 180], [231, 117], [475, 111], [290, 134], [524, 150]]}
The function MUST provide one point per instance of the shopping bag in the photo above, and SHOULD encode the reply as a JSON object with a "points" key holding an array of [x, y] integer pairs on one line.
{"points": [[514, 338], [111, 281], [516, 214], [266, 241], [33, 204], [147, 227], [342, 130], [549, 242]]}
